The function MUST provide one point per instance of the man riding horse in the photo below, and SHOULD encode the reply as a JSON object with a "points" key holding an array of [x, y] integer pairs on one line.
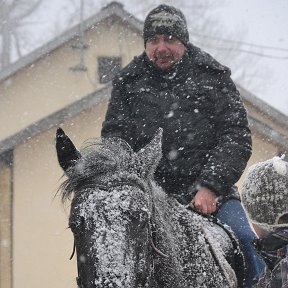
{"points": [[206, 139]]}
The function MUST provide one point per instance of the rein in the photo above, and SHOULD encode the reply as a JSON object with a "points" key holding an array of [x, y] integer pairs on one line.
{"points": [[78, 278], [73, 251]]}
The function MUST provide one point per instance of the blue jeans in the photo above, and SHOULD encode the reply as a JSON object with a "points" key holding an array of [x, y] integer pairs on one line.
{"points": [[232, 213]]}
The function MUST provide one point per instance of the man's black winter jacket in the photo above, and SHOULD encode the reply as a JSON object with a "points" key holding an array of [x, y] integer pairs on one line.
{"points": [[206, 139]]}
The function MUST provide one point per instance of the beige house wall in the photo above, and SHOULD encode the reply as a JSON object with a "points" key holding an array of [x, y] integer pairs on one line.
{"points": [[264, 118], [42, 243], [261, 150], [49, 84], [6, 194]]}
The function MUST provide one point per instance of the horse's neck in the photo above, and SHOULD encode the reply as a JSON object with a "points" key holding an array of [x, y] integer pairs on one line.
{"points": [[169, 210]]}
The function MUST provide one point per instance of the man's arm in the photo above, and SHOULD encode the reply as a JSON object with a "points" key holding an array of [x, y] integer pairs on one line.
{"points": [[229, 157]]}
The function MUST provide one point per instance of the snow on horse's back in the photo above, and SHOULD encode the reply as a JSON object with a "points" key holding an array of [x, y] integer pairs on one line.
{"points": [[128, 232]]}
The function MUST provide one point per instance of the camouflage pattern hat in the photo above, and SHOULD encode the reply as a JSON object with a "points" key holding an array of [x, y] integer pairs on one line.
{"points": [[168, 20], [265, 193]]}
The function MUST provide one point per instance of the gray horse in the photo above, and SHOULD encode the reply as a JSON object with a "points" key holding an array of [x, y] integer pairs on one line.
{"points": [[129, 233]]}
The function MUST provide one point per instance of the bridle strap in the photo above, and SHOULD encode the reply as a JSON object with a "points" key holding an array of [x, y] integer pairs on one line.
{"points": [[73, 251], [78, 278]]}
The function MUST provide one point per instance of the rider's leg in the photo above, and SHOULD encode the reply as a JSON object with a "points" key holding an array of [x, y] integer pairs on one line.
{"points": [[232, 213]]}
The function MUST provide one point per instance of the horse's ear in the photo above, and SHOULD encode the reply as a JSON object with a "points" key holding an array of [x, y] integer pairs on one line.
{"points": [[66, 151], [151, 154]]}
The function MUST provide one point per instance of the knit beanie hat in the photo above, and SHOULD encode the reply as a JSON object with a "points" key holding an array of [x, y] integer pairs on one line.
{"points": [[265, 193], [168, 20]]}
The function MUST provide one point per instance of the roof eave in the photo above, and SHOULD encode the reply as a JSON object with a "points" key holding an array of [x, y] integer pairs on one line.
{"points": [[264, 108]]}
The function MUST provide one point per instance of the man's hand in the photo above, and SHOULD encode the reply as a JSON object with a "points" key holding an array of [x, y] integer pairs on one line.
{"points": [[204, 201]]}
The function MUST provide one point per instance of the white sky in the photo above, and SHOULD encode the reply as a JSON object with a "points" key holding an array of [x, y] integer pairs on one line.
{"points": [[268, 26], [265, 23]]}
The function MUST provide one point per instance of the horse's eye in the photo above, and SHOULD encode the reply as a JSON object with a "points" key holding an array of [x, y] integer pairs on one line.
{"points": [[76, 224]]}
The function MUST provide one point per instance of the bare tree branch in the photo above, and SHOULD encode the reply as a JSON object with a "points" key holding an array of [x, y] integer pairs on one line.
{"points": [[12, 16]]}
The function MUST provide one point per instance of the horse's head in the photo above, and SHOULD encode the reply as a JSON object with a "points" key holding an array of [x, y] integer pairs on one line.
{"points": [[110, 210]]}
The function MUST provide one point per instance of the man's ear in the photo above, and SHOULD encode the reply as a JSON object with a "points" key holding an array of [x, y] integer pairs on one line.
{"points": [[67, 153]]}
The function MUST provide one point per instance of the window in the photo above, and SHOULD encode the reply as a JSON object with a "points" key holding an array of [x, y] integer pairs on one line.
{"points": [[108, 67], [6, 187]]}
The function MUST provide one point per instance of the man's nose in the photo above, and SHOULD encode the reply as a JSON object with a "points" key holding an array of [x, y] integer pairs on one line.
{"points": [[161, 46]]}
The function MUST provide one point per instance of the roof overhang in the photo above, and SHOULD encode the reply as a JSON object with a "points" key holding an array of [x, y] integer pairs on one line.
{"points": [[70, 111], [114, 9], [55, 119]]}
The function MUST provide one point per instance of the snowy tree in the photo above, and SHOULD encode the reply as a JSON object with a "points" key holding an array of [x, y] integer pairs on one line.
{"points": [[13, 16]]}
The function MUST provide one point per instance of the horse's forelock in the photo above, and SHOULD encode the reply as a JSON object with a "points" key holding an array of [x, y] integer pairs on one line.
{"points": [[98, 157], [114, 147], [106, 152]]}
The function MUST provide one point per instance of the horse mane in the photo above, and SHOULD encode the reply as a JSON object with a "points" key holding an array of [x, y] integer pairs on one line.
{"points": [[100, 158]]}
